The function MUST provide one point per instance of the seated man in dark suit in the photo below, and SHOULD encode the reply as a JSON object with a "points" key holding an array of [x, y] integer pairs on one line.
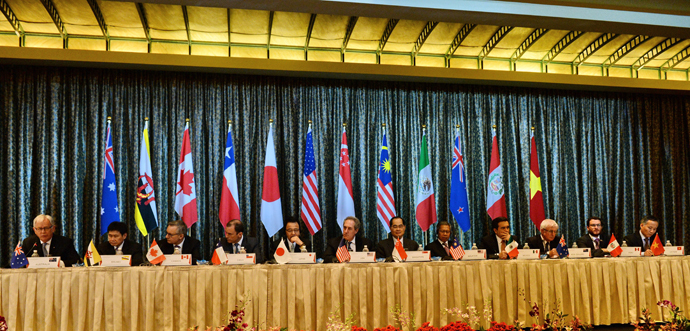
{"points": [[235, 239], [441, 246], [292, 238], [46, 243], [118, 244], [594, 239], [354, 243], [495, 242], [177, 242], [646, 236], [385, 247], [547, 240]]}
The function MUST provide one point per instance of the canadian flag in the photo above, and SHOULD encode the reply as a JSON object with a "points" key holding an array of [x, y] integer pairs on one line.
{"points": [[512, 249], [154, 255], [346, 204], [614, 248], [185, 196], [399, 254], [271, 209]]}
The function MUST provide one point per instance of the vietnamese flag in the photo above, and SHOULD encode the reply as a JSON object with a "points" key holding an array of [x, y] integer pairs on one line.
{"points": [[536, 199], [657, 247]]}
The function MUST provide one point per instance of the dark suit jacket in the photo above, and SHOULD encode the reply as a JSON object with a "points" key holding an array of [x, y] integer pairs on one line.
{"points": [[250, 244], [59, 246], [535, 242], [190, 246], [586, 241], [128, 248], [634, 240], [490, 244], [333, 243], [275, 243], [384, 249], [437, 249]]}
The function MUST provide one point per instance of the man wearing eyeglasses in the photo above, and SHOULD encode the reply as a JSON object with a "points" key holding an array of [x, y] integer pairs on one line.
{"points": [[594, 239], [177, 242], [292, 239], [46, 243], [547, 241], [385, 247]]}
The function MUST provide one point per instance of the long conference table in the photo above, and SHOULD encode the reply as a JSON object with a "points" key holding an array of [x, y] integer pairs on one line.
{"points": [[600, 291]]}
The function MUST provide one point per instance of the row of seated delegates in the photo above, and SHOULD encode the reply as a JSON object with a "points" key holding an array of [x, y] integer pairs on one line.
{"points": [[495, 243], [45, 242], [118, 244]]}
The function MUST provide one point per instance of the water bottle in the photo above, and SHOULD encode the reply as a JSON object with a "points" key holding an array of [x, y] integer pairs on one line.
{"points": [[526, 246], [35, 254], [625, 244], [242, 251], [420, 248], [474, 246], [303, 248], [668, 243], [574, 245], [365, 249]]}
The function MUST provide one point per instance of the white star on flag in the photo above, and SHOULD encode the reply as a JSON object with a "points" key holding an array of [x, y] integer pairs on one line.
{"points": [[112, 186], [117, 210], [102, 211]]}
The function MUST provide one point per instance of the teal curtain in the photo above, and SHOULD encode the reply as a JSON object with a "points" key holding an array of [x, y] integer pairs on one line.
{"points": [[619, 156]]}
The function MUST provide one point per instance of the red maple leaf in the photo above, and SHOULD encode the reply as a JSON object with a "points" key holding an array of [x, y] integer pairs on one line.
{"points": [[186, 180], [153, 252]]}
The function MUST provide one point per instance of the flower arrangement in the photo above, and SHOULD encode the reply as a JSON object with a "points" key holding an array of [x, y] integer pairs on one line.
{"points": [[402, 318], [334, 323], [678, 322], [3, 324]]}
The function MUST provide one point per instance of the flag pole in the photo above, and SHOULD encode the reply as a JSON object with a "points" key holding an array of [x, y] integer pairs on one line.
{"points": [[424, 233], [457, 134], [148, 235], [270, 129], [238, 203], [534, 226], [189, 229]]}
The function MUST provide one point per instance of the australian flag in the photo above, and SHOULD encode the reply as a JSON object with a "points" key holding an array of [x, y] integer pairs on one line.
{"points": [[458, 188], [562, 248], [109, 209], [18, 258]]}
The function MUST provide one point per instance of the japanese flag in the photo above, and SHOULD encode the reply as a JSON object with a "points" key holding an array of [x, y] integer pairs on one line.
{"points": [[282, 255]]}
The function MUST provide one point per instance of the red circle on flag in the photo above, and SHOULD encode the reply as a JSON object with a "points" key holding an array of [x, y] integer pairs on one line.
{"points": [[270, 190], [280, 251]]}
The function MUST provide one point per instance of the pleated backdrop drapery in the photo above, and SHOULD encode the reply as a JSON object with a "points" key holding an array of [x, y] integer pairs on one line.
{"points": [[618, 156]]}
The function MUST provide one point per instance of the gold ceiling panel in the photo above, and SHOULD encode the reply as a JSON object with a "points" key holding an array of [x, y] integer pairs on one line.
{"points": [[404, 36], [208, 24], [249, 26], [542, 46], [570, 53], [290, 29], [512, 40], [367, 33], [122, 19], [475, 41], [77, 17], [636, 53], [440, 38], [329, 31], [33, 16], [165, 21], [5, 24]]}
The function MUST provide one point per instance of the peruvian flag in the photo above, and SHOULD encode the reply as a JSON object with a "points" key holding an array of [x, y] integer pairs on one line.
{"points": [[536, 199], [346, 204], [425, 211], [271, 209], [495, 199], [614, 248], [229, 206], [185, 198]]}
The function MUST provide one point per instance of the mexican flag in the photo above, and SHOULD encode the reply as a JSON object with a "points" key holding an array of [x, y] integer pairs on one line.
{"points": [[426, 204]]}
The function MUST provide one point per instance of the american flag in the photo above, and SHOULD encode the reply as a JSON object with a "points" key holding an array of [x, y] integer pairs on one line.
{"points": [[311, 213], [456, 250], [385, 202], [342, 253]]}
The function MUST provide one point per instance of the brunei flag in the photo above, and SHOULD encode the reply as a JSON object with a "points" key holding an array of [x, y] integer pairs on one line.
{"points": [[145, 213]]}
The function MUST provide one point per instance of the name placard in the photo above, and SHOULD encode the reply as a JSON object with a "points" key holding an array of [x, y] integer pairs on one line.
{"points": [[631, 251], [418, 256], [43, 262], [177, 259], [116, 260], [528, 254], [674, 250], [243, 258], [302, 258], [579, 253], [362, 257], [474, 254]]}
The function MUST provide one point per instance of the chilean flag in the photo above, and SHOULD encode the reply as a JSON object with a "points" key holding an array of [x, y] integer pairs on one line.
{"points": [[185, 197], [271, 209], [495, 197], [346, 204], [229, 206]]}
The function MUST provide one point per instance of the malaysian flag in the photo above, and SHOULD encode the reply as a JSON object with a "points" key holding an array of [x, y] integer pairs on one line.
{"points": [[109, 209], [385, 201], [456, 250], [342, 253], [311, 213]]}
